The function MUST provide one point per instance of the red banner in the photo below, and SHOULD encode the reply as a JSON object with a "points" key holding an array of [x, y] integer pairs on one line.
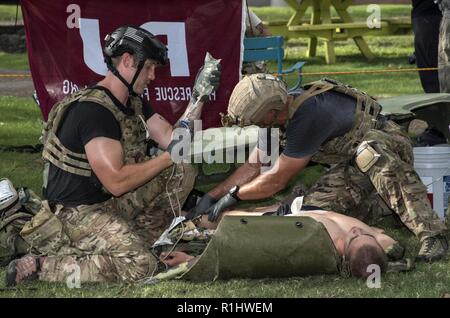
{"points": [[65, 40]]}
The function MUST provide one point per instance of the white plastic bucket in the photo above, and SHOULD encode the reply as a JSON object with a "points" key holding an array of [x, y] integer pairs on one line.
{"points": [[433, 166]]}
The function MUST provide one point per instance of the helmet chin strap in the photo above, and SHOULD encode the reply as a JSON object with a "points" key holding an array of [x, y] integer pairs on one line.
{"points": [[123, 80], [136, 75]]}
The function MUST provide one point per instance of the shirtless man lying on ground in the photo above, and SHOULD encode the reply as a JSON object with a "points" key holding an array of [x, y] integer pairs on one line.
{"points": [[361, 245]]}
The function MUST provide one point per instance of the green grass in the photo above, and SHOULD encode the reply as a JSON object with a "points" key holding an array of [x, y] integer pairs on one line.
{"points": [[16, 61], [20, 121], [425, 281], [12, 61], [391, 53], [8, 13], [20, 124], [358, 12]]}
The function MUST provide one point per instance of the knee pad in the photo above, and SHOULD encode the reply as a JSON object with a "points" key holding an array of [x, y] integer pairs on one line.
{"points": [[366, 156]]}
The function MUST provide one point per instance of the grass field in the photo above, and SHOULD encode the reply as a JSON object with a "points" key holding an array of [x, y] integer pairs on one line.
{"points": [[358, 12], [20, 124], [13, 61], [8, 13]]}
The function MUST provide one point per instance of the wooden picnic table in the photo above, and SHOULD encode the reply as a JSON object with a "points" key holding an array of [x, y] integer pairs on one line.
{"points": [[322, 26]]}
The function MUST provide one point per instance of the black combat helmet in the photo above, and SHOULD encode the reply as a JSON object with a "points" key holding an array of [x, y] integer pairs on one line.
{"points": [[137, 41]]}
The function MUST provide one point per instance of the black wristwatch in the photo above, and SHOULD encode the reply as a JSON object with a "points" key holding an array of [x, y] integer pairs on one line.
{"points": [[234, 192]]}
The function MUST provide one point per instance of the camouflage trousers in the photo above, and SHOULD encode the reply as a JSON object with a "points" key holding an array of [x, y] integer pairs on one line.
{"points": [[391, 182], [104, 244], [444, 53], [150, 208]]}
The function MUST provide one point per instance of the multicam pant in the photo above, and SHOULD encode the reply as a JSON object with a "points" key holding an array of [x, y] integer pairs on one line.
{"points": [[444, 53], [150, 208], [108, 244], [345, 189]]}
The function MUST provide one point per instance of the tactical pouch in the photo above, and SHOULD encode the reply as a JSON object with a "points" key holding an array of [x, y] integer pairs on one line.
{"points": [[8, 196], [16, 208], [366, 156], [45, 231]]}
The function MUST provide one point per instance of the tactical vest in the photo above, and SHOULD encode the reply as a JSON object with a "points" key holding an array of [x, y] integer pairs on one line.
{"points": [[341, 148], [133, 129]]}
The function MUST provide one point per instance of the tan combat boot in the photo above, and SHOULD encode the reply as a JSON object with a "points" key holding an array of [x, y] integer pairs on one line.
{"points": [[433, 249]]}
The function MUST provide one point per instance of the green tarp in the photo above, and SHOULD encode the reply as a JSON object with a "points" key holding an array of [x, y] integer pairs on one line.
{"points": [[266, 246]]}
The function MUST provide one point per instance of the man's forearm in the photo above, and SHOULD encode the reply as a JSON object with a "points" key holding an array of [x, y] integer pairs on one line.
{"points": [[262, 187], [131, 176], [244, 174]]}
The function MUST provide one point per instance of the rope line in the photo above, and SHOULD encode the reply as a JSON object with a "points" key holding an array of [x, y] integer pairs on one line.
{"points": [[362, 72], [372, 71], [311, 73], [15, 75]]}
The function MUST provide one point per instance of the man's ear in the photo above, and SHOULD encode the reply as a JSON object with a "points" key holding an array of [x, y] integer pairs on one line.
{"points": [[127, 60]]}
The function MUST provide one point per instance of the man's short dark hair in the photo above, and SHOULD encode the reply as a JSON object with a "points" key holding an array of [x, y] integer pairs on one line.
{"points": [[364, 256], [116, 60]]}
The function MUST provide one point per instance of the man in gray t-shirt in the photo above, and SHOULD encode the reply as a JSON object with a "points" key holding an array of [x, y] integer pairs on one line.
{"points": [[315, 123], [334, 124]]}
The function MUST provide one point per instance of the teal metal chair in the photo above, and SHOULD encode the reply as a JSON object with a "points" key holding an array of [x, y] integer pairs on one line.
{"points": [[271, 48]]}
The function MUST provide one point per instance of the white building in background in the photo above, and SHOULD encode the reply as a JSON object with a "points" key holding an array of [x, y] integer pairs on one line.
{"points": [[278, 3], [260, 3]]}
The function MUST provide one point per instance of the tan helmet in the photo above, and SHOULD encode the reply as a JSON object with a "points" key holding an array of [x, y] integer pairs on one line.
{"points": [[253, 97]]}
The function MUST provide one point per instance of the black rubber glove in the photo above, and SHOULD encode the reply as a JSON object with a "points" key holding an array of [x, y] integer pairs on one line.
{"points": [[202, 206], [225, 202]]}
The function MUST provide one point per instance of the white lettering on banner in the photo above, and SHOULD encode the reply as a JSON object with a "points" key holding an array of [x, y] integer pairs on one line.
{"points": [[172, 93], [177, 94], [69, 87], [146, 94], [176, 43], [75, 14]]}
